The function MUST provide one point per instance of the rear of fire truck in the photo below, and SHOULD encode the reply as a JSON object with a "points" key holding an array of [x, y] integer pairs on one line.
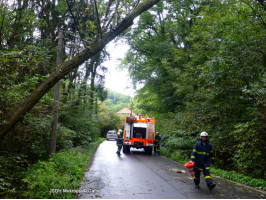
{"points": [[139, 133]]}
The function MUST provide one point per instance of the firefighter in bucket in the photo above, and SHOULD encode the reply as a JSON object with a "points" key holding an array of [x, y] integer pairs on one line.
{"points": [[119, 141]]}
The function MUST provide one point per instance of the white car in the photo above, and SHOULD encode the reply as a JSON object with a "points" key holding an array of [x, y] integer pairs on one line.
{"points": [[111, 135]]}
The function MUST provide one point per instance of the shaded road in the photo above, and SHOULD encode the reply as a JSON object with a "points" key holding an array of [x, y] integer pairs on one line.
{"points": [[140, 176]]}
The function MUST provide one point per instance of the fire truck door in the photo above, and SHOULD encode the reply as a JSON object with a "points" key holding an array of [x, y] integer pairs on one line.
{"points": [[150, 130], [127, 130]]}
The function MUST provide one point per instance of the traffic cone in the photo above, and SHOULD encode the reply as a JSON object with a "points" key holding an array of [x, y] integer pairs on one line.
{"points": [[190, 166]]}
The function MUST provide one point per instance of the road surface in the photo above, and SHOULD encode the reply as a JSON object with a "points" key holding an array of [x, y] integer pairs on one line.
{"points": [[140, 176]]}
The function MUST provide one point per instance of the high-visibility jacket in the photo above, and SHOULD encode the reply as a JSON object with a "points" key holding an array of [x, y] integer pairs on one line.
{"points": [[202, 154], [119, 140]]}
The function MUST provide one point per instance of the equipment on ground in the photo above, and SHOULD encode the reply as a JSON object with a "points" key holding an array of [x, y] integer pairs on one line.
{"points": [[190, 166], [139, 133]]}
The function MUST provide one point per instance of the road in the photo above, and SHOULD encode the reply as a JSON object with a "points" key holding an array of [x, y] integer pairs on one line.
{"points": [[140, 176]]}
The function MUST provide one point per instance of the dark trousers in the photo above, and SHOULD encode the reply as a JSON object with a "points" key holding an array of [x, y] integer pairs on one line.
{"points": [[157, 149], [206, 173], [119, 146]]}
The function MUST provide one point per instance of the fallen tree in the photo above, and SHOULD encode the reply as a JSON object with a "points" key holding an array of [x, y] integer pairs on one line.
{"points": [[96, 46]]}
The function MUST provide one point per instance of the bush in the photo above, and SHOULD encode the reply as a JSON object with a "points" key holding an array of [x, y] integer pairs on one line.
{"points": [[108, 120], [80, 124], [240, 178], [11, 166], [64, 170]]}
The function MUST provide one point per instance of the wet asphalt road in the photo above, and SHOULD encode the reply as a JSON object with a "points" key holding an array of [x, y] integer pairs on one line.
{"points": [[140, 176]]}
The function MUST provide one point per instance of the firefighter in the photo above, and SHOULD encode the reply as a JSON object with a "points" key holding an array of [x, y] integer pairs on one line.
{"points": [[119, 142], [157, 143], [202, 156]]}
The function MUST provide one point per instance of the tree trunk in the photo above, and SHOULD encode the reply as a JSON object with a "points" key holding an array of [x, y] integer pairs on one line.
{"points": [[70, 65], [84, 86], [59, 62], [72, 77], [93, 74]]}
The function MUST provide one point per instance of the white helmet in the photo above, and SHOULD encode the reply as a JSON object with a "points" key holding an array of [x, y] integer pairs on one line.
{"points": [[204, 134]]}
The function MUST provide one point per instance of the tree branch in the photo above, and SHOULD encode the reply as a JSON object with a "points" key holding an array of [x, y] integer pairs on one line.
{"points": [[71, 65], [253, 10]]}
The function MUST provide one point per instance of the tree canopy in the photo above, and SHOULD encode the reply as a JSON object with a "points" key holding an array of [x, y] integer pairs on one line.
{"points": [[202, 64], [117, 21]]}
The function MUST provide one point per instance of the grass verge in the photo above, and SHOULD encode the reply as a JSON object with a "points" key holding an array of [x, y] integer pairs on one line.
{"points": [[60, 176], [231, 175]]}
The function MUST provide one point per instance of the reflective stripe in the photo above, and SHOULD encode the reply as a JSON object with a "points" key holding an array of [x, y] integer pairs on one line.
{"points": [[196, 178], [207, 177], [200, 169], [193, 157], [207, 168], [199, 152], [202, 153]]}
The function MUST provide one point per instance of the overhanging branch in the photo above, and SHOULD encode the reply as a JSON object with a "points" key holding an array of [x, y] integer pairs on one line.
{"points": [[71, 65]]}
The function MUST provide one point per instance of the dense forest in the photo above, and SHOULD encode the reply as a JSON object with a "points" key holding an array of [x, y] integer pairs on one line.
{"points": [[116, 101], [202, 64]]}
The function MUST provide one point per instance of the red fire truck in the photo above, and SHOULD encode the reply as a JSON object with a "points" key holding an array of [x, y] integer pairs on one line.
{"points": [[139, 133]]}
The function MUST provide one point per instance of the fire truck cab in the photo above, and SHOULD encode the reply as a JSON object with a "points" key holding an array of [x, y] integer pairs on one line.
{"points": [[139, 133]]}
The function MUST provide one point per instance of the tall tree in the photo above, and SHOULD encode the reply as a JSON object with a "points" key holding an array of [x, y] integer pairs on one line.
{"points": [[203, 68], [93, 48], [59, 61]]}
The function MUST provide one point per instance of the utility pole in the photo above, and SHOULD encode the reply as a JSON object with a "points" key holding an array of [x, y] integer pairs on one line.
{"points": [[59, 61]]}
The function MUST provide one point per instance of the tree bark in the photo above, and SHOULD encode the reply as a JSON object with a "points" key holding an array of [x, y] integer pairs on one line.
{"points": [[59, 61], [93, 74], [70, 65]]}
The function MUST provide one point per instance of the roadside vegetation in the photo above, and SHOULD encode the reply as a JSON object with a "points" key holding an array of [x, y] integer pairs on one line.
{"points": [[203, 68], [63, 172]]}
